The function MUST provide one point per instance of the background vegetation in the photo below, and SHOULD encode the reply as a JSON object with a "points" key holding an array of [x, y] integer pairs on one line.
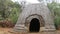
{"points": [[9, 12], [55, 9]]}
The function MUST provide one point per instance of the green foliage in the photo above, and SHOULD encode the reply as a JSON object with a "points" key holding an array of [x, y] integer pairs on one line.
{"points": [[55, 8], [10, 10], [4, 7], [14, 14]]}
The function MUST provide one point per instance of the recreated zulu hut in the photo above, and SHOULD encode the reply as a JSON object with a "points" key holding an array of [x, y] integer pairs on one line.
{"points": [[35, 18]]}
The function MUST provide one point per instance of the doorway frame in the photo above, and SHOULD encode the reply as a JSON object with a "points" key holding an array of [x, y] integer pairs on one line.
{"points": [[30, 17]]}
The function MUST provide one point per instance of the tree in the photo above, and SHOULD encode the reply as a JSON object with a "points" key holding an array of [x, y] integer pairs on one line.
{"points": [[9, 10], [4, 8], [55, 9]]}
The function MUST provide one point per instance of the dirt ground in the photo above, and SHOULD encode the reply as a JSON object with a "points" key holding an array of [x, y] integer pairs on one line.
{"points": [[7, 31]]}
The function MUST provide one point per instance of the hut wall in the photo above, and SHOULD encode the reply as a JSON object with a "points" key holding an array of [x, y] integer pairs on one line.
{"points": [[38, 11]]}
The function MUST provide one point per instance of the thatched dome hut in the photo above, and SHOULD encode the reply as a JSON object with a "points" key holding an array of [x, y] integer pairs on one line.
{"points": [[35, 18]]}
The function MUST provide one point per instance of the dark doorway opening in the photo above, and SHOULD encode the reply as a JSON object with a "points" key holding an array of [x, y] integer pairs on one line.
{"points": [[34, 25]]}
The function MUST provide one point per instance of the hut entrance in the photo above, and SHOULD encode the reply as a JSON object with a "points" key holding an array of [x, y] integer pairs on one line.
{"points": [[34, 25]]}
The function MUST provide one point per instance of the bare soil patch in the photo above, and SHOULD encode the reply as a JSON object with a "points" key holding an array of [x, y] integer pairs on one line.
{"points": [[7, 31]]}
